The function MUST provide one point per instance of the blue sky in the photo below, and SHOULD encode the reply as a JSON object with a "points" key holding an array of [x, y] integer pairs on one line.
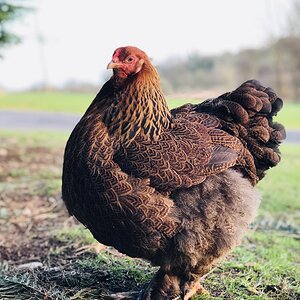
{"points": [[77, 38]]}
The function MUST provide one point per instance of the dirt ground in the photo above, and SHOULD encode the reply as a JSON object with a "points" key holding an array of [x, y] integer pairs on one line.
{"points": [[37, 260], [27, 208]]}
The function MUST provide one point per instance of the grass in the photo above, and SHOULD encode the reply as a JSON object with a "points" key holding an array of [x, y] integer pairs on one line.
{"points": [[76, 233], [78, 103], [289, 115], [280, 188], [55, 101], [265, 266], [46, 101], [136, 271], [35, 138]]}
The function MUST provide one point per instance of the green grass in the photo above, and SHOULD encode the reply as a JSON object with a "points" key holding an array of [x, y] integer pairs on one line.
{"points": [[47, 101], [35, 138], [265, 266], [55, 101], [289, 115], [137, 272], [280, 187], [77, 233], [45, 181], [78, 103]]}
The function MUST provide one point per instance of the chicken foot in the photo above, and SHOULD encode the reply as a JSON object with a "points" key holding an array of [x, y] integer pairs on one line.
{"points": [[193, 288], [164, 286]]}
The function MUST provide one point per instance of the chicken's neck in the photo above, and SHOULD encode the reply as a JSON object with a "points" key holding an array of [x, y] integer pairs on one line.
{"points": [[139, 107]]}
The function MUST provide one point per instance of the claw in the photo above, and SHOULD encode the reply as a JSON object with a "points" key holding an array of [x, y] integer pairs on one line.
{"points": [[92, 247], [163, 287], [197, 288], [123, 296]]}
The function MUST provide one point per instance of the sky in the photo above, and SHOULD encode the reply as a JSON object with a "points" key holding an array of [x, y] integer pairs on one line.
{"points": [[72, 40]]}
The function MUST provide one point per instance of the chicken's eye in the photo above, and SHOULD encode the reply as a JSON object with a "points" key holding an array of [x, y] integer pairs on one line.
{"points": [[129, 59]]}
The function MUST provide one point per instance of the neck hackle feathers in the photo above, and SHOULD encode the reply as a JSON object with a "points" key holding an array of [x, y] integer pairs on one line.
{"points": [[139, 106]]}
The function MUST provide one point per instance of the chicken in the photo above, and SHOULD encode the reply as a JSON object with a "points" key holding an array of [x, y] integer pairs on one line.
{"points": [[173, 187]]}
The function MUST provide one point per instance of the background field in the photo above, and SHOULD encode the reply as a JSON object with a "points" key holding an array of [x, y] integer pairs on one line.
{"points": [[78, 103]]}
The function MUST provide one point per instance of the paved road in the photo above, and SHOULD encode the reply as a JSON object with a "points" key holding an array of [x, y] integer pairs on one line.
{"points": [[37, 120], [20, 120]]}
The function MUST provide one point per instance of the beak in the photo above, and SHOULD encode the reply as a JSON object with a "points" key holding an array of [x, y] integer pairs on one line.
{"points": [[113, 65]]}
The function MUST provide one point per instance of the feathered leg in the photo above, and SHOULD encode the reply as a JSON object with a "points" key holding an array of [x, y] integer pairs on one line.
{"points": [[163, 286]]}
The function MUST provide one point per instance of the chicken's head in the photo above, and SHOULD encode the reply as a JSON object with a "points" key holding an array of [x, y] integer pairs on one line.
{"points": [[127, 61]]}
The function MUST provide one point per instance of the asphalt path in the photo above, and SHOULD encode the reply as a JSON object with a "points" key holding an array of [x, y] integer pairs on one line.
{"points": [[37, 120], [51, 121]]}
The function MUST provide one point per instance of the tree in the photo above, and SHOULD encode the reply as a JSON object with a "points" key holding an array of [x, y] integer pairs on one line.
{"points": [[8, 12], [293, 23]]}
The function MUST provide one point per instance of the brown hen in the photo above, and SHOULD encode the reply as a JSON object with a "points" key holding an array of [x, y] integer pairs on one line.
{"points": [[173, 187]]}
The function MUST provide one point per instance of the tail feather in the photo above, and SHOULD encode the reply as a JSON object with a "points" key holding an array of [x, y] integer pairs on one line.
{"points": [[247, 113]]}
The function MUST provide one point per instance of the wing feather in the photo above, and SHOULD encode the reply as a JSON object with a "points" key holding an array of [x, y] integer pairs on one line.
{"points": [[183, 156]]}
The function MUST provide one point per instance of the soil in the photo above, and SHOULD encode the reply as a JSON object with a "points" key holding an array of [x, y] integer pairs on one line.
{"points": [[34, 262], [27, 209]]}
